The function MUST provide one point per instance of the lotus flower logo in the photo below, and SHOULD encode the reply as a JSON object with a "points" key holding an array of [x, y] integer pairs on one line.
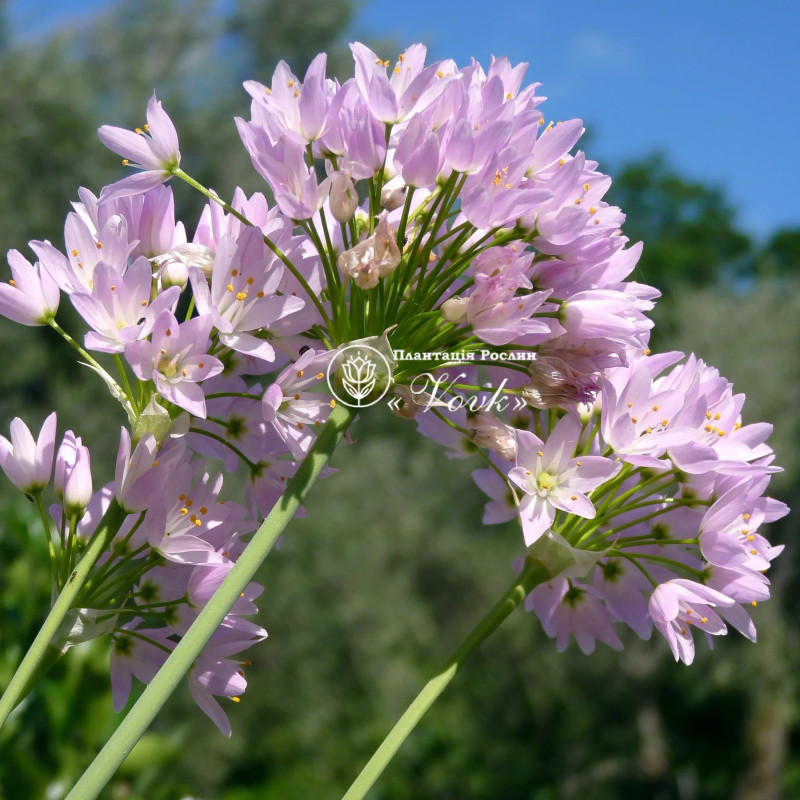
{"points": [[359, 375]]}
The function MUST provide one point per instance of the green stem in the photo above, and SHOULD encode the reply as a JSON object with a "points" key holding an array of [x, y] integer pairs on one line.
{"points": [[188, 649], [533, 573], [37, 654]]}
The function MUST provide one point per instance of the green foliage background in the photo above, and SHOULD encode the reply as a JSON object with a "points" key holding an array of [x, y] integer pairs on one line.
{"points": [[369, 593]]}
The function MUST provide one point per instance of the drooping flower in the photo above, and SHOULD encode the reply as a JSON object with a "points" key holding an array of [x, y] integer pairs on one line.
{"points": [[153, 149]]}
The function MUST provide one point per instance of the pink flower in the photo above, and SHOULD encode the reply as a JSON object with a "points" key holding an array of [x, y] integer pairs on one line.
{"points": [[176, 360], [553, 480], [31, 296], [678, 605], [154, 150], [27, 463]]}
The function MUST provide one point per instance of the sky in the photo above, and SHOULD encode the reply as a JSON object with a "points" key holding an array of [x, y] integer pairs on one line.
{"points": [[714, 85]]}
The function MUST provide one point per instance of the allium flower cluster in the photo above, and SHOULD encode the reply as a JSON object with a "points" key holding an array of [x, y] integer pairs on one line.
{"points": [[453, 219]]}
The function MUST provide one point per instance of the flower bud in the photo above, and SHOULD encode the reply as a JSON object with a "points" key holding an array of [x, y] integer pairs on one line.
{"points": [[393, 193], [343, 197], [454, 309], [173, 266], [488, 431], [78, 485]]}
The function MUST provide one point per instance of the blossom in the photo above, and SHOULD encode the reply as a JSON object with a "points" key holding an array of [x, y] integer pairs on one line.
{"points": [[28, 462], [176, 359], [552, 479], [153, 149], [31, 296], [679, 605]]}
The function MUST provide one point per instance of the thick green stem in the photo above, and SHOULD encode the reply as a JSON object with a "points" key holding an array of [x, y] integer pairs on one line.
{"points": [[183, 656], [37, 655], [533, 573]]}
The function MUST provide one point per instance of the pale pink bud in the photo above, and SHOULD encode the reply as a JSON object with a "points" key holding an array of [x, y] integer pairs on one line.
{"points": [[393, 193], [454, 309], [488, 431], [343, 197], [78, 486]]}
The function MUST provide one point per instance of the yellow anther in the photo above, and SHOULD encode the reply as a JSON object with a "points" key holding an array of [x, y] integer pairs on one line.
{"points": [[139, 131], [540, 453], [235, 699], [397, 70], [509, 96], [585, 187], [708, 415], [592, 209], [296, 93], [745, 516], [750, 537], [401, 57], [332, 403], [200, 365], [655, 408], [229, 287], [717, 416], [574, 497], [561, 161], [241, 295], [630, 405], [147, 128], [634, 420], [320, 376], [439, 73], [577, 201], [184, 373], [143, 304], [299, 373], [664, 423], [704, 620], [183, 511], [290, 84], [753, 603]]}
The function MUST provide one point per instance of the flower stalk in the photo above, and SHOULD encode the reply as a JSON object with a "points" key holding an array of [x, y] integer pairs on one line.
{"points": [[534, 572], [183, 656]]}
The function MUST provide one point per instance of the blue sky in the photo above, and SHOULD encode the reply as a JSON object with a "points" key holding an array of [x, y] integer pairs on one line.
{"points": [[714, 85]]}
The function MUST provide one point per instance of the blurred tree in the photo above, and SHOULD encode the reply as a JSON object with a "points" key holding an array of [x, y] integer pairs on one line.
{"points": [[779, 257], [689, 228]]}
